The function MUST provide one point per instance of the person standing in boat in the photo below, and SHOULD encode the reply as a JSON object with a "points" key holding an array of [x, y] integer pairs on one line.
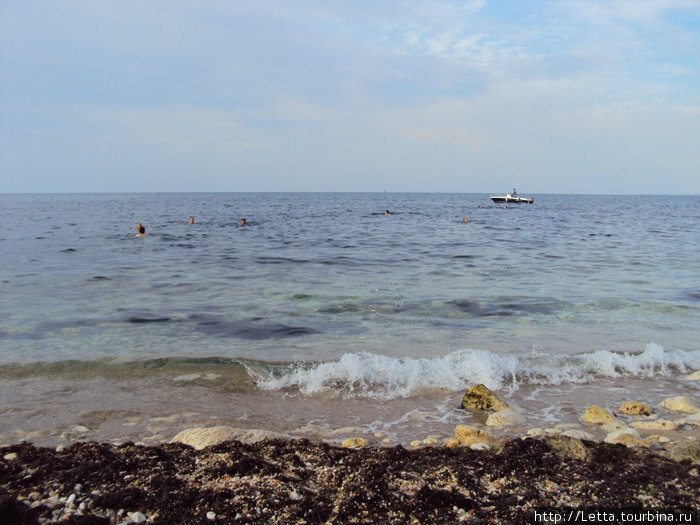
{"points": [[515, 193]]}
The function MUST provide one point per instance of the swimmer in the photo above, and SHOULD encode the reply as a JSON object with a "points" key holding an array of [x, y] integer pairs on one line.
{"points": [[142, 232], [192, 220], [464, 219], [243, 222], [387, 212], [139, 225]]}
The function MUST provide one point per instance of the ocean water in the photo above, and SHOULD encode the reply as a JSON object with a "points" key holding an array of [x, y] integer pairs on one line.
{"points": [[324, 317]]}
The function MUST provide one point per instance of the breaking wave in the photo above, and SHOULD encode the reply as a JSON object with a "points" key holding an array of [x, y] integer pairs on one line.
{"points": [[382, 377]]}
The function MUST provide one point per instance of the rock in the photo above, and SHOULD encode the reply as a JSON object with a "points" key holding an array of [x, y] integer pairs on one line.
{"points": [[466, 430], [682, 404], [431, 440], [10, 456], [211, 515], [597, 415], [658, 438], [695, 376], [355, 442], [686, 450], [659, 424], [692, 420], [481, 398], [451, 442], [612, 426], [634, 408], [626, 437], [200, 438], [578, 434], [416, 444], [568, 448], [504, 418], [467, 436], [480, 446], [566, 426], [534, 432], [136, 517]]}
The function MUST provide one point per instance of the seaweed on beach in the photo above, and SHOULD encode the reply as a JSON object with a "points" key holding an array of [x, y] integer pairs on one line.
{"points": [[299, 481]]}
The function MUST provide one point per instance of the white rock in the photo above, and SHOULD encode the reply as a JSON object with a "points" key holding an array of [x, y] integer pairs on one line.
{"points": [[504, 418], [71, 498], [612, 426], [211, 515], [695, 376], [536, 432], [10, 456], [566, 426], [295, 495], [200, 438], [480, 446], [81, 429], [136, 517], [659, 424], [693, 420], [680, 404], [579, 434], [612, 436]]}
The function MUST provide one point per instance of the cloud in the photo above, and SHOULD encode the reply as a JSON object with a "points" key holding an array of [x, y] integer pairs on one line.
{"points": [[394, 88]]}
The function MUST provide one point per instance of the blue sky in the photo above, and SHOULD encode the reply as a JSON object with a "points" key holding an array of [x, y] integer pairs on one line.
{"points": [[571, 96]]}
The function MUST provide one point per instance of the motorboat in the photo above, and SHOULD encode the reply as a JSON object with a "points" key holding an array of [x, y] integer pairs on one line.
{"points": [[512, 197]]}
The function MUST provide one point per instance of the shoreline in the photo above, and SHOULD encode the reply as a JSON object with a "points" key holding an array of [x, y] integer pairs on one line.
{"points": [[481, 474], [299, 481]]}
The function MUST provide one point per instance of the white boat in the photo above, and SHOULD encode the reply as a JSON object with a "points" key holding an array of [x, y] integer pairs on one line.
{"points": [[512, 197]]}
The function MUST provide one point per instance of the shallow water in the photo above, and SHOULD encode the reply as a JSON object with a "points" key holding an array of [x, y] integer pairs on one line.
{"points": [[323, 313]]}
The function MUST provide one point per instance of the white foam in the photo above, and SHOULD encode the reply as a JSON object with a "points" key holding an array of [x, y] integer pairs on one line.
{"points": [[382, 377]]}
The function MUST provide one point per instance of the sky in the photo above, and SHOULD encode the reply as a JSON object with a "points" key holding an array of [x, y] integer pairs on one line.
{"points": [[570, 96]]}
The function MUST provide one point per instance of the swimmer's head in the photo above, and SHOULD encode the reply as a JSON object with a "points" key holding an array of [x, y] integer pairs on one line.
{"points": [[243, 222], [191, 220]]}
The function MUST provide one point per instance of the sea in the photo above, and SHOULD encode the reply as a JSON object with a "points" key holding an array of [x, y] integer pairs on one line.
{"points": [[324, 317]]}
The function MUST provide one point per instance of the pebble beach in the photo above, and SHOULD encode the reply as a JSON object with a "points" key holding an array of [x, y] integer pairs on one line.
{"points": [[648, 461]]}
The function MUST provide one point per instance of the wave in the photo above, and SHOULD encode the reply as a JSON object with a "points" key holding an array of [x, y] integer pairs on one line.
{"points": [[383, 378], [373, 376]]}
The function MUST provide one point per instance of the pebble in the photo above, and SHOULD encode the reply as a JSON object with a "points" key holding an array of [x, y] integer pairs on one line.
{"points": [[295, 495], [683, 404], [136, 517], [11, 456], [660, 424], [597, 415], [355, 442], [211, 515], [579, 434]]}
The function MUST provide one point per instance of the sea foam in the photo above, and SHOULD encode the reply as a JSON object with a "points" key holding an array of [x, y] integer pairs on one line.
{"points": [[381, 377]]}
